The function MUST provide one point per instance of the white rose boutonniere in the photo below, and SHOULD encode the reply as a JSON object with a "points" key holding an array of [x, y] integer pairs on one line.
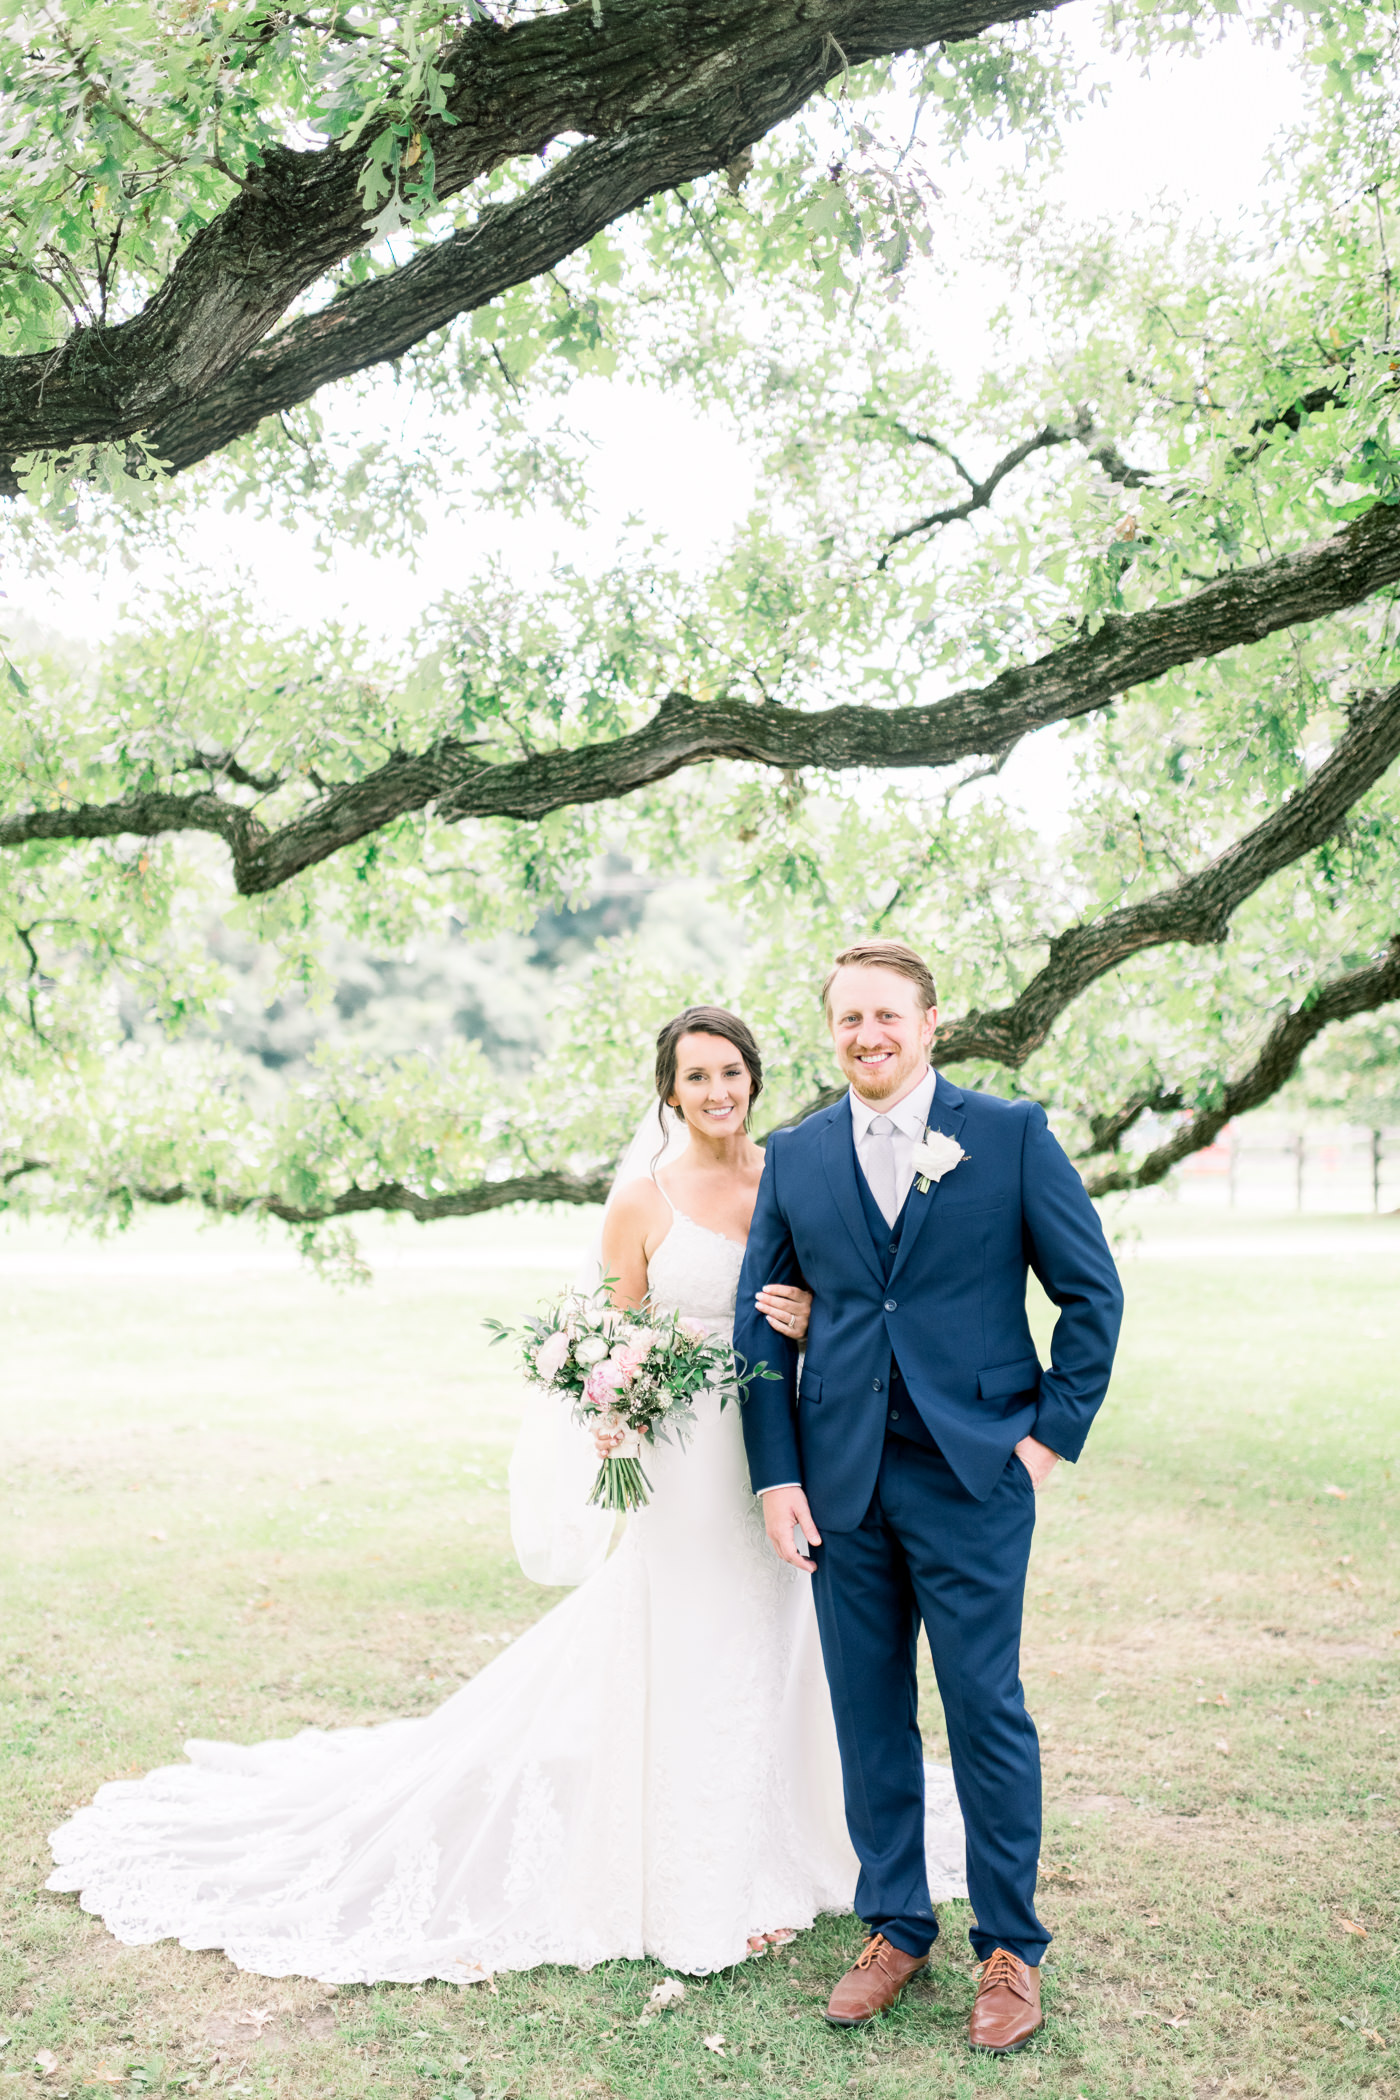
{"points": [[935, 1155]]}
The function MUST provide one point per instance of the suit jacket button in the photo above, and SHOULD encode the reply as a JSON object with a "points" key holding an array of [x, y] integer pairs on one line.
{"points": [[894, 1414], [875, 1385], [891, 1305]]}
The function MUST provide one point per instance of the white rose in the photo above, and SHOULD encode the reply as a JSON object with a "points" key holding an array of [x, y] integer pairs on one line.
{"points": [[552, 1356], [936, 1154], [591, 1350]]}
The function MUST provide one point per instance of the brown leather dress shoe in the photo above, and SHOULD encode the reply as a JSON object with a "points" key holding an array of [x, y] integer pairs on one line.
{"points": [[1006, 2011], [873, 1984]]}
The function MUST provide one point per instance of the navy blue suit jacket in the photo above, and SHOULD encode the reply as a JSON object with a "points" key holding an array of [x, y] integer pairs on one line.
{"points": [[952, 1313]]}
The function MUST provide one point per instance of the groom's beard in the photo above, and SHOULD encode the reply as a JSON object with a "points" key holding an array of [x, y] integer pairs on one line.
{"points": [[879, 1083]]}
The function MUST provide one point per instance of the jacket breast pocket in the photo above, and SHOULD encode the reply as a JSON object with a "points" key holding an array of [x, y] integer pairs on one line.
{"points": [[1002, 1380], [810, 1389]]}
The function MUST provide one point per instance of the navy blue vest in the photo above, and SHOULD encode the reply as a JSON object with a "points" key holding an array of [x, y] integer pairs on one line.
{"points": [[902, 1418]]}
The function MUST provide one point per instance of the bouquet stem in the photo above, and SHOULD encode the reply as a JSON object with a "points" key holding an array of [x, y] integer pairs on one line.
{"points": [[621, 1484]]}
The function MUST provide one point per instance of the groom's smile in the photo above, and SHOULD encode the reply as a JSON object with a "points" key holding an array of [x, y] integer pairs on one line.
{"points": [[880, 1031]]}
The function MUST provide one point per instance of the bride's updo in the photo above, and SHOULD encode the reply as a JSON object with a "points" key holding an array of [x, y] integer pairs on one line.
{"points": [[704, 1020]]}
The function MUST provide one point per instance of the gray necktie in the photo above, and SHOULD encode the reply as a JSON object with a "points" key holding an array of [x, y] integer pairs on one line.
{"points": [[879, 1166]]}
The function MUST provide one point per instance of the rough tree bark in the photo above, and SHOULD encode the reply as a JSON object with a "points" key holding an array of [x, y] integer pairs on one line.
{"points": [[662, 91], [1084, 674], [1196, 910], [1357, 992]]}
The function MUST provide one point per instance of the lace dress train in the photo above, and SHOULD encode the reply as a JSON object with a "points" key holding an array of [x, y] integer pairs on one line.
{"points": [[650, 1770]]}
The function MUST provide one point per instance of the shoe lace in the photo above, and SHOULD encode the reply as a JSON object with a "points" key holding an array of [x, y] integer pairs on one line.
{"points": [[1002, 1967], [872, 1948]]}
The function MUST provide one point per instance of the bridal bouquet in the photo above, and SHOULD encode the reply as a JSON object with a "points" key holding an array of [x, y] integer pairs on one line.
{"points": [[621, 1370]]}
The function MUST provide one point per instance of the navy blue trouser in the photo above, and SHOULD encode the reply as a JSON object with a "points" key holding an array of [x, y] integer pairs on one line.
{"points": [[925, 1550]]}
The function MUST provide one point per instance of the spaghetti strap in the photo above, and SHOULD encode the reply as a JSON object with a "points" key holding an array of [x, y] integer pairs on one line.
{"points": [[675, 1213]]}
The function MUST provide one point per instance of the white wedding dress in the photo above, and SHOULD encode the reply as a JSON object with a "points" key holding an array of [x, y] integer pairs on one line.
{"points": [[651, 1770]]}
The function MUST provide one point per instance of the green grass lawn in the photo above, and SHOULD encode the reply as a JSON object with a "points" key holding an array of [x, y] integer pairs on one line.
{"points": [[235, 1502]]}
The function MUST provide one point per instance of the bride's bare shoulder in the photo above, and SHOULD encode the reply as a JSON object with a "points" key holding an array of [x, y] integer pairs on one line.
{"points": [[638, 1207]]}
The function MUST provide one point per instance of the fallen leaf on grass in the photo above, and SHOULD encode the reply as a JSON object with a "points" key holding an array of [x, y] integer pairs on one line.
{"points": [[256, 2019], [1350, 1925], [669, 1991], [716, 2042], [1182, 2020], [46, 2062], [1222, 1746], [1340, 1493], [105, 2075], [1222, 1698], [1377, 2041], [1152, 1918]]}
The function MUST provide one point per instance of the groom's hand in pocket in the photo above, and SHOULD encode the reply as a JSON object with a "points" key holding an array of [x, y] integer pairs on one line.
{"points": [[1038, 1459], [785, 1509]]}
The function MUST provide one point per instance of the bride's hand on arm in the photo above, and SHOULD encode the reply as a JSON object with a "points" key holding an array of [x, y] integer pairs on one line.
{"points": [[787, 1309]]}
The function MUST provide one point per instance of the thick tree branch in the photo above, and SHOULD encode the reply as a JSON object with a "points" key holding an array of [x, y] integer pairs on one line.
{"points": [[1196, 910], [393, 1196], [662, 91], [1084, 674], [1109, 1130], [1358, 992]]}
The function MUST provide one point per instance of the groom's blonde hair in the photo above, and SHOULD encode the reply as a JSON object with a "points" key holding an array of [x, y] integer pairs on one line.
{"points": [[885, 955]]}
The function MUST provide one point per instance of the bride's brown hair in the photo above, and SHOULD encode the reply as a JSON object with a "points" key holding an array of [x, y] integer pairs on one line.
{"points": [[705, 1020]]}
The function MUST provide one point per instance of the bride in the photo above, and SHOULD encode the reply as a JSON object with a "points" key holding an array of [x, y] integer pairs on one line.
{"points": [[651, 1770]]}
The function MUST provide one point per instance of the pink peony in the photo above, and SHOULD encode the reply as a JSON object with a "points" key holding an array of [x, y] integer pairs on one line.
{"points": [[696, 1329], [629, 1360], [552, 1356], [601, 1385]]}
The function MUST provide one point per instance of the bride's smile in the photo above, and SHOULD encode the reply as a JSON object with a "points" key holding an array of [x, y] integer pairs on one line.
{"points": [[713, 1087]]}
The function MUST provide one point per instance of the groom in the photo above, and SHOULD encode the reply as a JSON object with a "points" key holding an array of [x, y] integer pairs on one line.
{"points": [[909, 1456]]}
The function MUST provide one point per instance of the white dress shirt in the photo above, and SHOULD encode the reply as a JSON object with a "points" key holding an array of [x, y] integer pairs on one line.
{"points": [[910, 1118]]}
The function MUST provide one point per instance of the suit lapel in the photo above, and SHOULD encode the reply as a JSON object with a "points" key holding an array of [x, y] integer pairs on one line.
{"points": [[838, 1154], [945, 1114]]}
